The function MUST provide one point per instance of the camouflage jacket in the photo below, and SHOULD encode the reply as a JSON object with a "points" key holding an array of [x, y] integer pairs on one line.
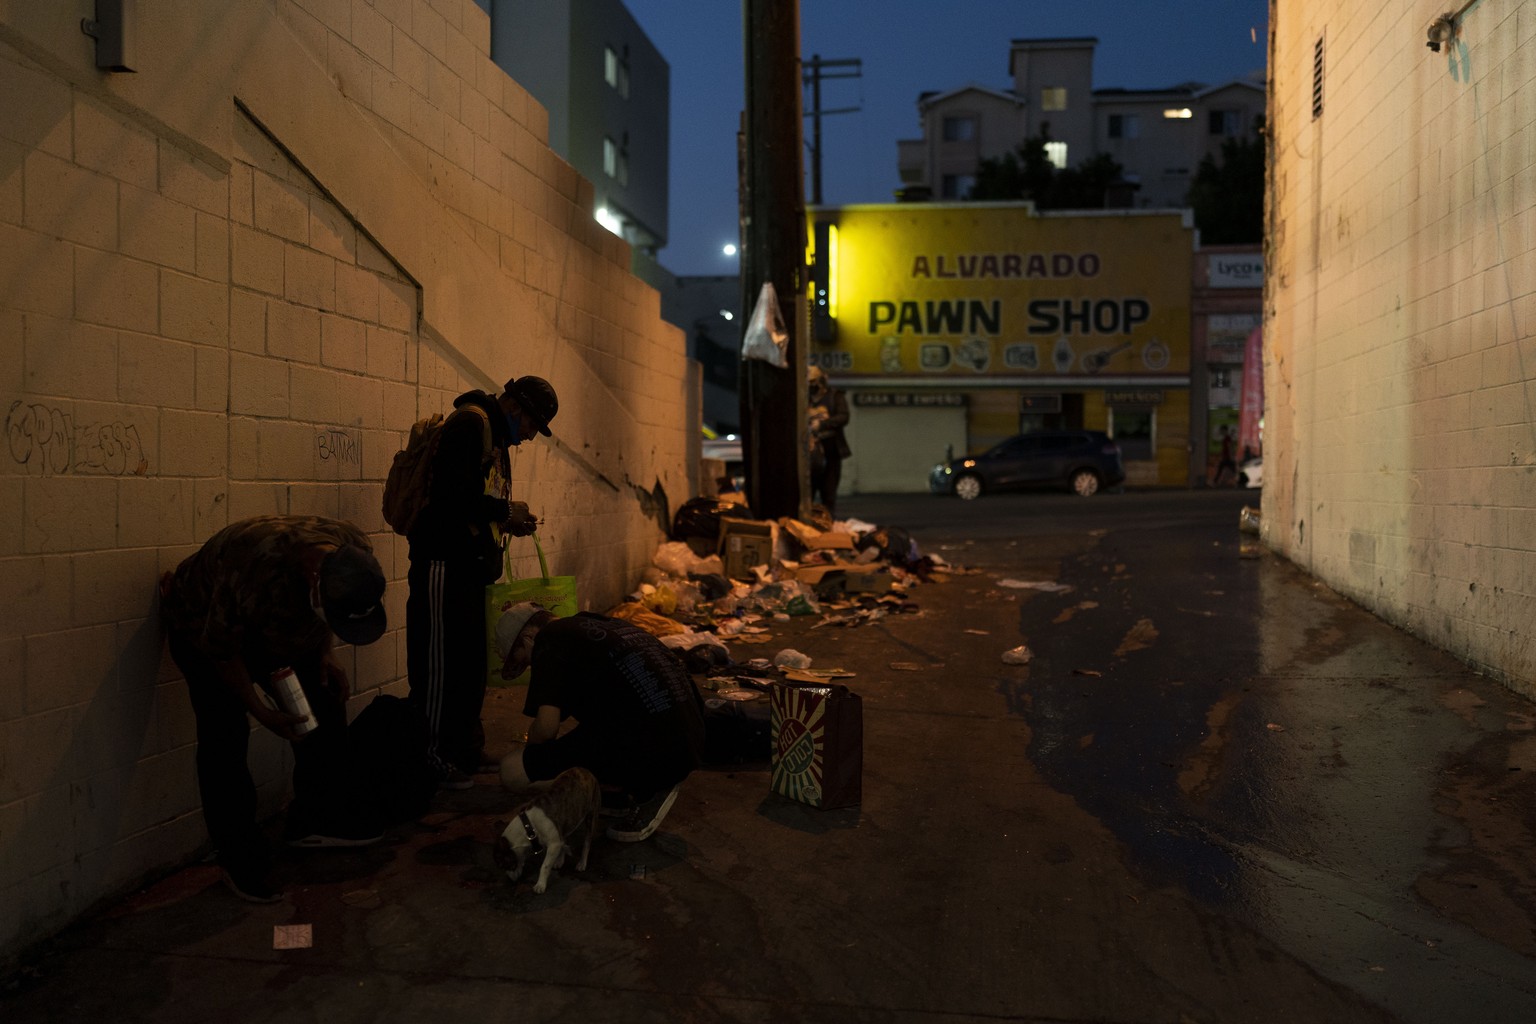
{"points": [[245, 594]]}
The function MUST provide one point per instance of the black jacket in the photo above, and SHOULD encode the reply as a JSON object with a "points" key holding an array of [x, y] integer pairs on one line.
{"points": [[456, 523]]}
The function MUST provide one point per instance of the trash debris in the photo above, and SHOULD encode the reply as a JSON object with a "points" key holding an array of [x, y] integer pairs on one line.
{"points": [[906, 666], [1275, 727], [1019, 655], [1249, 549], [1066, 613], [1047, 586], [293, 936], [816, 675], [677, 558], [1087, 672], [979, 632], [791, 658], [364, 899], [1248, 519], [1138, 637]]}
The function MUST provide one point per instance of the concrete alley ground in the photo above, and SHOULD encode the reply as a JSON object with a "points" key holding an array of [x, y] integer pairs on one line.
{"points": [[1218, 792]]}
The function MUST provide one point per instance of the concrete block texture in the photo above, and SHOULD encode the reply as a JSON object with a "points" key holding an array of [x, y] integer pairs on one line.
{"points": [[229, 284], [1402, 461]]}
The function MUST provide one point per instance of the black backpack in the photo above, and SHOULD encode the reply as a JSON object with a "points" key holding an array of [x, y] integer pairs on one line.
{"points": [[387, 742]]}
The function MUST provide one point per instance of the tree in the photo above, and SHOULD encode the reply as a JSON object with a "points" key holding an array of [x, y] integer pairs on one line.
{"points": [[1027, 173], [1228, 197]]}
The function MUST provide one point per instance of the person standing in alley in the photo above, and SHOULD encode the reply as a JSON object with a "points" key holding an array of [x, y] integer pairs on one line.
{"points": [[828, 415], [454, 554], [260, 596]]}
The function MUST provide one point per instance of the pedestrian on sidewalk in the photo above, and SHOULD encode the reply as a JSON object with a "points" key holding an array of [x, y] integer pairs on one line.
{"points": [[262, 595], [639, 719], [827, 411], [455, 553]]}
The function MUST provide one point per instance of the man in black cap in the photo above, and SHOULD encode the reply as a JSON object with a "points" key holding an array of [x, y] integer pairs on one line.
{"points": [[454, 554], [263, 595]]}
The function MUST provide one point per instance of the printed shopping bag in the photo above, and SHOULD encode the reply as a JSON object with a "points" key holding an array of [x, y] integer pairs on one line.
{"points": [[557, 593], [817, 739]]}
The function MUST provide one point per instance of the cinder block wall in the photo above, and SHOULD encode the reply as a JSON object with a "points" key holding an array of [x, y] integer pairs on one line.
{"points": [[229, 282], [1400, 362]]}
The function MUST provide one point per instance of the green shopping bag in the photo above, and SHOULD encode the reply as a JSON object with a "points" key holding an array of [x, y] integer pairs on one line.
{"points": [[556, 593]]}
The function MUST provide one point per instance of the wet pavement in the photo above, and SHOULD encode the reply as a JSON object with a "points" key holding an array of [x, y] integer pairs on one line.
{"points": [[1217, 792]]}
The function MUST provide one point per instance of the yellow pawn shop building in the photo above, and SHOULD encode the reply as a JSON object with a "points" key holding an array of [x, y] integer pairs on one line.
{"points": [[954, 326]]}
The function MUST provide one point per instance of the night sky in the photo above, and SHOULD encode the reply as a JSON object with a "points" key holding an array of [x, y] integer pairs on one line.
{"points": [[907, 47]]}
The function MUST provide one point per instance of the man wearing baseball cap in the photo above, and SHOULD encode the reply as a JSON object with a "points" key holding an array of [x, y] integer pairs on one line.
{"points": [[262, 595], [454, 553]]}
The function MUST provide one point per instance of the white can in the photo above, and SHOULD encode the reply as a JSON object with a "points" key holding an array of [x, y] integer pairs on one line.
{"points": [[290, 697]]}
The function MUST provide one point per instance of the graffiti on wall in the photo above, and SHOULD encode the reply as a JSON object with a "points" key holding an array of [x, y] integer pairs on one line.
{"points": [[339, 445], [47, 440]]}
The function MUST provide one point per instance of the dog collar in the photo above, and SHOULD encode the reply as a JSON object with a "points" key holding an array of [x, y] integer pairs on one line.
{"points": [[533, 837]]}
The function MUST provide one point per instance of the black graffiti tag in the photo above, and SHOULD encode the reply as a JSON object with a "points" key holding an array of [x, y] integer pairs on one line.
{"points": [[339, 445], [47, 438]]}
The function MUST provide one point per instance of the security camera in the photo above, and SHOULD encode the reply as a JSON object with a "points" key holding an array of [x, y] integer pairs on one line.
{"points": [[1440, 32]]}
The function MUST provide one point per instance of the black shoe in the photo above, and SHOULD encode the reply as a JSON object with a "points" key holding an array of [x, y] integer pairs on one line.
{"points": [[641, 822], [251, 885]]}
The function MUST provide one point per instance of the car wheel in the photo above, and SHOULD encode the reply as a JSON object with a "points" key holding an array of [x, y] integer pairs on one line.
{"points": [[1085, 483], [968, 487]]}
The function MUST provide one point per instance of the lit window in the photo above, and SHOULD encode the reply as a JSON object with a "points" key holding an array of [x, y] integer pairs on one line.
{"points": [[608, 219], [1179, 113], [610, 157], [1053, 97], [959, 129], [616, 69], [1056, 153]]}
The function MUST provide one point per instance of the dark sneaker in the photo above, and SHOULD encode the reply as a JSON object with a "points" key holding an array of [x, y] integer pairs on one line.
{"points": [[251, 886], [645, 818]]}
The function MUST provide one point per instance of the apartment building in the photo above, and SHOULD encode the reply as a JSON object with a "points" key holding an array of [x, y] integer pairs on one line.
{"points": [[1158, 136], [607, 90]]}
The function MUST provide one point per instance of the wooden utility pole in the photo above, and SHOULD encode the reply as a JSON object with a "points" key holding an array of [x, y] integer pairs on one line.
{"points": [[772, 182], [814, 74]]}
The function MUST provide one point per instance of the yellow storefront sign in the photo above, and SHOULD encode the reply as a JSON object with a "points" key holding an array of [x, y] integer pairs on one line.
{"points": [[994, 290]]}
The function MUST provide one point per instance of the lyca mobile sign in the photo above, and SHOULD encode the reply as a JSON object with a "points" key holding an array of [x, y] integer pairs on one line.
{"points": [[946, 290]]}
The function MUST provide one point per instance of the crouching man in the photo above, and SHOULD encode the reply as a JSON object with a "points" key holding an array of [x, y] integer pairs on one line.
{"points": [[639, 720], [265, 594]]}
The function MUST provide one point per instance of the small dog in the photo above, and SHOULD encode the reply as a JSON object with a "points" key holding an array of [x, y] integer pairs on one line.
{"points": [[544, 825]]}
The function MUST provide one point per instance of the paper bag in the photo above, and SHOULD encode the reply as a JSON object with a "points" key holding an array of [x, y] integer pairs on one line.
{"points": [[817, 734], [556, 593]]}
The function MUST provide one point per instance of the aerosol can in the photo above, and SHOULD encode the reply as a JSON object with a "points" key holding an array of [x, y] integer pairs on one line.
{"points": [[290, 697]]}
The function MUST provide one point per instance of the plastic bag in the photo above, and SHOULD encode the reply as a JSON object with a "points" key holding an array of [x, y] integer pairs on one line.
{"points": [[766, 337], [677, 559], [556, 593]]}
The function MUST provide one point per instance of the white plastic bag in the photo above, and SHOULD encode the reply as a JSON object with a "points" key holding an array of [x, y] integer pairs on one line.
{"points": [[766, 337]]}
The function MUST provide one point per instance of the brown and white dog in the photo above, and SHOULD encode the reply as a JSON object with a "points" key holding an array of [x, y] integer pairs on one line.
{"points": [[546, 824]]}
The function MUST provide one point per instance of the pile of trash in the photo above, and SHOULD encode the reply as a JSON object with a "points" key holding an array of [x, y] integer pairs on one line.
{"points": [[726, 577]]}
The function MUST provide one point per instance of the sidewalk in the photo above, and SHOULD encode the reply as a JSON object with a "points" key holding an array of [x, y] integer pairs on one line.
{"points": [[1110, 833]]}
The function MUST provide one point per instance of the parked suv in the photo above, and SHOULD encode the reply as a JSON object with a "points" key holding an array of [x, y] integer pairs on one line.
{"points": [[1083, 461]]}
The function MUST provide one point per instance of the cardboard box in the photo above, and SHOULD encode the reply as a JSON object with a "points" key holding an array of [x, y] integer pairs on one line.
{"points": [[813, 539], [743, 544]]}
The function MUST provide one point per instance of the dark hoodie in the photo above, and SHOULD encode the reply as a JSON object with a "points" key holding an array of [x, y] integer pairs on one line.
{"points": [[456, 523]]}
